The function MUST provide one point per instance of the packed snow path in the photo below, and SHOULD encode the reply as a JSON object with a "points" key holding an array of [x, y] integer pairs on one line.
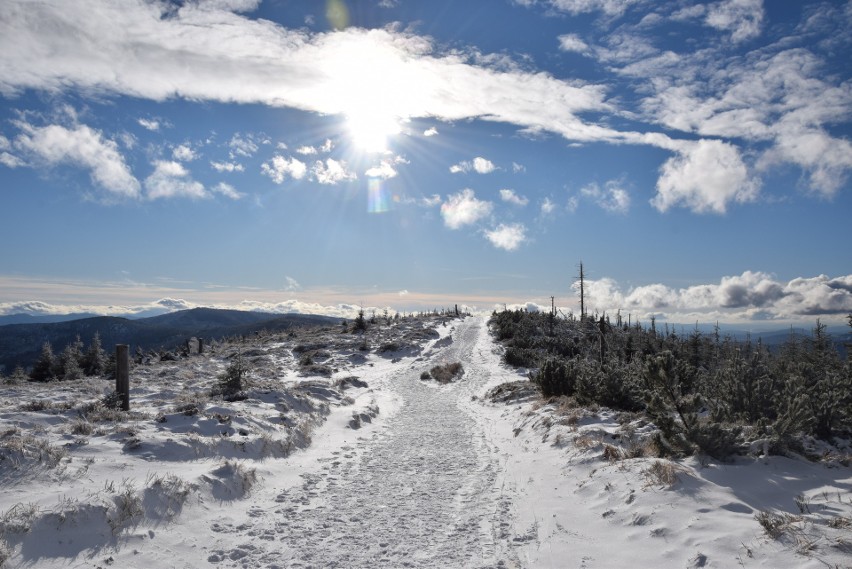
{"points": [[420, 492]]}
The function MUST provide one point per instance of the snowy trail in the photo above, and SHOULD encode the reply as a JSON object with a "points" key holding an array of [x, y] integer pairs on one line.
{"points": [[421, 492]]}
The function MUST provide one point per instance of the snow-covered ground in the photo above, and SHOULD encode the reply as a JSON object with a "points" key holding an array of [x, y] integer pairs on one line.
{"points": [[372, 466]]}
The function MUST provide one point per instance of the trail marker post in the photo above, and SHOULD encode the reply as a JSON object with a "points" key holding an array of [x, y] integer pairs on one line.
{"points": [[122, 374]]}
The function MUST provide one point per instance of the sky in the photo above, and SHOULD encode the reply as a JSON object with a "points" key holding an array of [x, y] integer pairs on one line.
{"points": [[319, 156]]}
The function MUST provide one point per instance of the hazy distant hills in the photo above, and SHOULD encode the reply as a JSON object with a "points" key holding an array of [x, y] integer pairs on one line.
{"points": [[30, 319], [20, 343]]}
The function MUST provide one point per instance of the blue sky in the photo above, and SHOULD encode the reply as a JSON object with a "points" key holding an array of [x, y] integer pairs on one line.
{"points": [[316, 156]]}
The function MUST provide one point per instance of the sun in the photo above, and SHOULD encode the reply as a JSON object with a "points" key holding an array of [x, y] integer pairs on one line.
{"points": [[371, 129]]}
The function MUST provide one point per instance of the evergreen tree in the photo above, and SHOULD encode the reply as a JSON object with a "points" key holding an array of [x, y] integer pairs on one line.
{"points": [[830, 393], [69, 361], [43, 368], [18, 376], [94, 361], [669, 406], [360, 323]]}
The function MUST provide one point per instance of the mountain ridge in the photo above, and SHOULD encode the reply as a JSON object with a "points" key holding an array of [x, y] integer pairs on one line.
{"points": [[20, 343]]}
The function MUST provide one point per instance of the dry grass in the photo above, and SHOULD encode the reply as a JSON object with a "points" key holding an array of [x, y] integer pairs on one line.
{"points": [[81, 427], [126, 507], [776, 524], [612, 453], [244, 477], [19, 518], [5, 553], [840, 522], [171, 492], [664, 473], [27, 451], [586, 442], [37, 405], [447, 372]]}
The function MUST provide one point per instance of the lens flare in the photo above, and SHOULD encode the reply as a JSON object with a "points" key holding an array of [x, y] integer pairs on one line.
{"points": [[378, 198], [337, 14]]}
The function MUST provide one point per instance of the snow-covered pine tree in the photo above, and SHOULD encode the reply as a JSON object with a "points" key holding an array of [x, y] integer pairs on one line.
{"points": [[43, 368]]}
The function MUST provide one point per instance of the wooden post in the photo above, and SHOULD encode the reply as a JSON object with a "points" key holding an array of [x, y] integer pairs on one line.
{"points": [[122, 374]]}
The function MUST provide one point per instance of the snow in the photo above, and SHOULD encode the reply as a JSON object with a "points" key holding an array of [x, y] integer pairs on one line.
{"points": [[384, 470]]}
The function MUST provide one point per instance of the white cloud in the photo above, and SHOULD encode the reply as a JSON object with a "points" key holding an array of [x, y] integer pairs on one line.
{"points": [[279, 168], [704, 177], [171, 180], [826, 159], [292, 284], [184, 153], [612, 197], [743, 18], [430, 131], [572, 204], [464, 208], [81, 146], [431, 201], [10, 161], [779, 95], [227, 190], [168, 304], [509, 195], [227, 166], [547, 206], [753, 295], [479, 165], [164, 51], [242, 145], [306, 150], [384, 170], [572, 42], [508, 237], [518, 168], [327, 146], [208, 52], [482, 165], [149, 124], [127, 139], [331, 172], [608, 7], [403, 292]]}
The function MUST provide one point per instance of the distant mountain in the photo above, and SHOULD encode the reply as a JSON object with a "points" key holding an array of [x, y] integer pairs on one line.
{"points": [[840, 335], [30, 319], [21, 343], [207, 318]]}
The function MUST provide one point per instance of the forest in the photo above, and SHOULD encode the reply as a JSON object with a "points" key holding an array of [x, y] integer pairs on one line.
{"points": [[707, 393]]}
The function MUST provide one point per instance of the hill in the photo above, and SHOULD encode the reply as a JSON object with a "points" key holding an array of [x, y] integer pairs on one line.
{"points": [[21, 343]]}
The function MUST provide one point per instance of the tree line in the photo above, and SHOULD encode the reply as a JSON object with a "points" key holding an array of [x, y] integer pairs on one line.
{"points": [[705, 392], [73, 362]]}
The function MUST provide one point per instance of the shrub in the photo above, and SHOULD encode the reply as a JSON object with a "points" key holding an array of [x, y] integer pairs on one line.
{"points": [[18, 376], [231, 381], [360, 323], [703, 392], [555, 379], [520, 357], [447, 372]]}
